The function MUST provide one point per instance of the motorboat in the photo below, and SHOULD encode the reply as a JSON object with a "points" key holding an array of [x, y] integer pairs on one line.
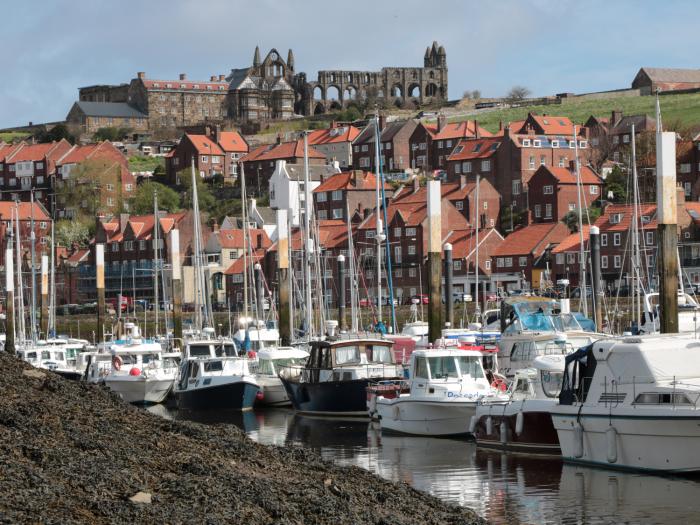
{"points": [[256, 337], [688, 310], [534, 326], [138, 375], [523, 423], [632, 402], [214, 376], [336, 375], [444, 388], [270, 363]]}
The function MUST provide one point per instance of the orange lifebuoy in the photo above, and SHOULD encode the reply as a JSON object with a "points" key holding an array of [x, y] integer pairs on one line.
{"points": [[499, 384], [116, 362]]}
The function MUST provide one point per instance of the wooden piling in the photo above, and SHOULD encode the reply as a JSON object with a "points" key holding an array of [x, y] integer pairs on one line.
{"points": [[176, 278], [434, 260], [285, 320], [667, 219], [597, 288], [100, 283], [9, 300], [259, 293]]}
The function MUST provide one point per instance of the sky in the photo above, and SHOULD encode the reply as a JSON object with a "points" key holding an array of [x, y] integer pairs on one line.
{"points": [[52, 47]]}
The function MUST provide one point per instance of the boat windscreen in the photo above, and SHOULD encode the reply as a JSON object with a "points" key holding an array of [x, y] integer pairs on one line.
{"points": [[443, 367], [199, 350], [470, 365], [379, 354], [537, 321], [347, 354], [565, 322]]}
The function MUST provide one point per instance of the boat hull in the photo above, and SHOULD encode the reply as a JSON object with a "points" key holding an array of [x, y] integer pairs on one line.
{"points": [[425, 418], [237, 395], [642, 441], [273, 392], [331, 398], [538, 434], [140, 390]]}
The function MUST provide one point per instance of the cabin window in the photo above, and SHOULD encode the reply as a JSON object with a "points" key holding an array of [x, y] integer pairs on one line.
{"points": [[421, 369], [213, 366], [347, 354], [443, 368], [199, 351], [265, 367], [661, 398], [379, 354], [551, 382], [470, 365], [522, 386], [46, 355], [149, 358]]}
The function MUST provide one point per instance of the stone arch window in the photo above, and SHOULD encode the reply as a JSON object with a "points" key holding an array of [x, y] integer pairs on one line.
{"points": [[397, 91], [366, 78], [333, 93], [349, 77], [318, 93], [332, 77], [432, 74], [350, 93], [431, 90], [397, 74], [414, 91], [415, 74]]}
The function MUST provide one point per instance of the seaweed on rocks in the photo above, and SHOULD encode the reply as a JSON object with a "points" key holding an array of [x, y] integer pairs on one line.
{"points": [[76, 453]]}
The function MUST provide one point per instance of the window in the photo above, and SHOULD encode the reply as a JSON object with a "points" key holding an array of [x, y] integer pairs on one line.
{"points": [[516, 187], [616, 239], [687, 188], [397, 232], [215, 159], [412, 273], [322, 215], [548, 190], [499, 262], [337, 195], [572, 206], [110, 187], [543, 160], [466, 167], [604, 239], [615, 218], [387, 145], [537, 143], [583, 144], [115, 247], [604, 261], [561, 162], [356, 149], [594, 190], [397, 254], [616, 139], [538, 211], [617, 261], [129, 187], [410, 232], [650, 237], [560, 258], [448, 144], [364, 147], [321, 196], [625, 139], [128, 246], [616, 156], [369, 234], [13, 182], [548, 210], [485, 165], [422, 146], [570, 258], [531, 162], [555, 143], [509, 261], [411, 249], [457, 265], [458, 168], [364, 162], [439, 144], [487, 264], [526, 143], [110, 201], [459, 205], [522, 261], [338, 213]]}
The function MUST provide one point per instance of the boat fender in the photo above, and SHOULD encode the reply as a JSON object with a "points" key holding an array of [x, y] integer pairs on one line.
{"points": [[519, 423], [259, 396], [472, 424], [135, 372], [578, 440], [489, 426], [611, 439], [504, 432], [116, 362], [499, 384]]}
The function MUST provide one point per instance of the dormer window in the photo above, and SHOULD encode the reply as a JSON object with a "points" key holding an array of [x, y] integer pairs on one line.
{"points": [[183, 86], [169, 86], [156, 84], [555, 143], [583, 144], [616, 218], [196, 86], [646, 219], [546, 122], [537, 143], [526, 143]]}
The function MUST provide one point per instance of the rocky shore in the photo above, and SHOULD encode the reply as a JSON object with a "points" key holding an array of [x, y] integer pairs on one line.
{"points": [[75, 453]]}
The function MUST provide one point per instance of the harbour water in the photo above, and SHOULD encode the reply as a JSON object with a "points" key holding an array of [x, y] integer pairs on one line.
{"points": [[504, 488]]}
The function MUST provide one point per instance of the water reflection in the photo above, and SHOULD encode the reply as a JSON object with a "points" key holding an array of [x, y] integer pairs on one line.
{"points": [[504, 488]]}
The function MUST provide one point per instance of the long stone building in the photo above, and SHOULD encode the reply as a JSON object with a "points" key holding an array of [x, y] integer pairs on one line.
{"points": [[271, 89]]}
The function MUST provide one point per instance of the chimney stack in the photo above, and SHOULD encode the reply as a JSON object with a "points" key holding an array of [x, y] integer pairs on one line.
{"points": [[615, 118], [572, 165], [476, 129], [222, 78], [382, 122], [441, 122], [183, 76], [141, 75], [462, 181], [213, 78]]}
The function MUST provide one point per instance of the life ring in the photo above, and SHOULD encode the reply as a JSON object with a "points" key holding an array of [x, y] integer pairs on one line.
{"points": [[499, 384], [116, 362]]}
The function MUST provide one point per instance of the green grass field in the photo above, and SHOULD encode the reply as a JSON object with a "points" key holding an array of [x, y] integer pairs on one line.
{"points": [[680, 112], [139, 163], [10, 136]]}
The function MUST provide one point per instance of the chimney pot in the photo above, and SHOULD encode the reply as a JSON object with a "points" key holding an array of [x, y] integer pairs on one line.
{"points": [[212, 78], [183, 76], [441, 121], [141, 75]]}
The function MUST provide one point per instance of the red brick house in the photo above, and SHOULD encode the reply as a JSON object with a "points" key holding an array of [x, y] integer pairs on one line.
{"points": [[25, 213], [335, 143], [465, 261], [554, 191], [521, 258], [474, 157], [432, 144], [395, 154], [259, 163], [566, 257], [351, 190]]}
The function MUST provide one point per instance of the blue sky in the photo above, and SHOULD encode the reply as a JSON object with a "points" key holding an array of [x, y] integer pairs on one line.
{"points": [[50, 48]]}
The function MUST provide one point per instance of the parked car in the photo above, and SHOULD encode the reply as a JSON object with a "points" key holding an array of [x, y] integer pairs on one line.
{"points": [[364, 303], [421, 298], [576, 292]]}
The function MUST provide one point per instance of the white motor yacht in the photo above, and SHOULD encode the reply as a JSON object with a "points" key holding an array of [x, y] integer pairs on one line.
{"points": [[444, 388], [212, 375], [271, 363], [523, 423], [138, 375], [632, 402], [55, 356], [688, 314]]}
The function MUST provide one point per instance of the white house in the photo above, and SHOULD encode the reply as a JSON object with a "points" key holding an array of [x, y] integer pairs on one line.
{"points": [[287, 185]]}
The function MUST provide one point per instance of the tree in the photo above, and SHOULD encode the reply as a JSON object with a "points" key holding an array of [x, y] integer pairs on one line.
{"points": [[589, 217], [111, 134], [73, 232], [142, 201], [93, 186], [474, 95], [511, 216], [55, 134], [518, 93], [615, 183], [207, 201]]}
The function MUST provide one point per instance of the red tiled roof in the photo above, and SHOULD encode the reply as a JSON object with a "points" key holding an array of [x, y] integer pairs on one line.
{"points": [[239, 265], [25, 210], [186, 84], [456, 130], [285, 150], [232, 239], [332, 234], [475, 149], [626, 213], [573, 241], [567, 176], [78, 256], [449, 190], [204, 145], [345, 181], [38, 152], [333, 135], [231, 141], [80, 153], [6, 149], [532, 239], [553, 125]]}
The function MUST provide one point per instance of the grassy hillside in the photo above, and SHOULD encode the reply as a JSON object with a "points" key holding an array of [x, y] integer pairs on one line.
{"points": [[9, 136], [678, 111]]}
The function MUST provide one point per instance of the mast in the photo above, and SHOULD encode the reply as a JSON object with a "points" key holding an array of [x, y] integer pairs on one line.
{"points": [[378, 220], [199, 292], [352, 275], [52, 285], [244, 213], [32, 248], [308, 242], [20, 284], [156, 259], [636, 260], [476, 262], [582, 252]]}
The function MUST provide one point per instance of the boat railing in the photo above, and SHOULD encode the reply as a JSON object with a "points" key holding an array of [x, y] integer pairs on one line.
{"points": [[674, 381], [340, 372]]}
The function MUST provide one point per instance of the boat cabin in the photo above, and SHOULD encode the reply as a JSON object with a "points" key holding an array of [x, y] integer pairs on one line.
{"points": [[350, 359], [273, 362], [205, 360], [449, 373], [543, 380]]}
